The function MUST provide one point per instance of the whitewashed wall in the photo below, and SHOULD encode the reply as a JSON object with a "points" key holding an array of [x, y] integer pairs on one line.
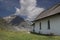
{"points": [[54, 24]]}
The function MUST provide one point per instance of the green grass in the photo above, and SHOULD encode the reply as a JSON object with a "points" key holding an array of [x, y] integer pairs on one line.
{"points": [[9, 35]]}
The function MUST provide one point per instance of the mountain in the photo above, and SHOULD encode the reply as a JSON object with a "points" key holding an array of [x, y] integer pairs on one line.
{"points": [[17, 23], [3, 24], [14, 19], [17, 20]]}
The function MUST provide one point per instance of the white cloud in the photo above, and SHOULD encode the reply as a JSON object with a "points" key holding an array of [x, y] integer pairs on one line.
{"points": [[28, 8]]}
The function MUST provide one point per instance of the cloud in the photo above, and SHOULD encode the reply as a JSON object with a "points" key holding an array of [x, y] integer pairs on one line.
{"points": [[29, 9]]}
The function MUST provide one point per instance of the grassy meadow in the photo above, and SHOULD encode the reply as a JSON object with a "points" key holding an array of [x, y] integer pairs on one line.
{"points": [[10, 35]]}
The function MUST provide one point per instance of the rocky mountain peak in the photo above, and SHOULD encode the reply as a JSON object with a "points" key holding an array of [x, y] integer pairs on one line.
{"points": [[14, 19]]}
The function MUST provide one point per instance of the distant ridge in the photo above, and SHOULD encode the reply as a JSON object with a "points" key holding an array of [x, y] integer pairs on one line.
{"points": [[14, 19]]}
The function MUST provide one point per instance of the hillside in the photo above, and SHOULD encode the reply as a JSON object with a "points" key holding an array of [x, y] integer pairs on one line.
{"points": [[11, 35], [17, 23], [14, 19], [3, 24], [17, 20]]}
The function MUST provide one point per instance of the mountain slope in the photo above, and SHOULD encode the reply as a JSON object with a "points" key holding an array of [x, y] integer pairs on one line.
{"points": [[17, 23], [3, 24], [17, 20]]}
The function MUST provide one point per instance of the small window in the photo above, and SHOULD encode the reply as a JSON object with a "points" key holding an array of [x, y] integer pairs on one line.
{"points": [[34, 27], [49, 24], [40, 25]]}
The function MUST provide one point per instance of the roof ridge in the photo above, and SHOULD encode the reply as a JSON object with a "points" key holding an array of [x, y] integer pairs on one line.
{"points": [[49, 9]]}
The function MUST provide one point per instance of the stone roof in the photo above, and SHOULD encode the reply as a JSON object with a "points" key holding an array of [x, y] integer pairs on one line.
{"points": [[45, 13]]}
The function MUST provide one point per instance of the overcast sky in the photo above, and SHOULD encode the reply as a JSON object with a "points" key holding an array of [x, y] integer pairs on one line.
{"points": [[28, 9]]}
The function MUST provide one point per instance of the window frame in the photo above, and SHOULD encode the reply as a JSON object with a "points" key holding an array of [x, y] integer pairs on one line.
{"points": [[34, 27], [40, 26], [48, 24]]}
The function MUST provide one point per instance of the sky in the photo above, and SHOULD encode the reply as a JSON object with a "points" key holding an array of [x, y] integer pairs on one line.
{"points": [[28, 9]]}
